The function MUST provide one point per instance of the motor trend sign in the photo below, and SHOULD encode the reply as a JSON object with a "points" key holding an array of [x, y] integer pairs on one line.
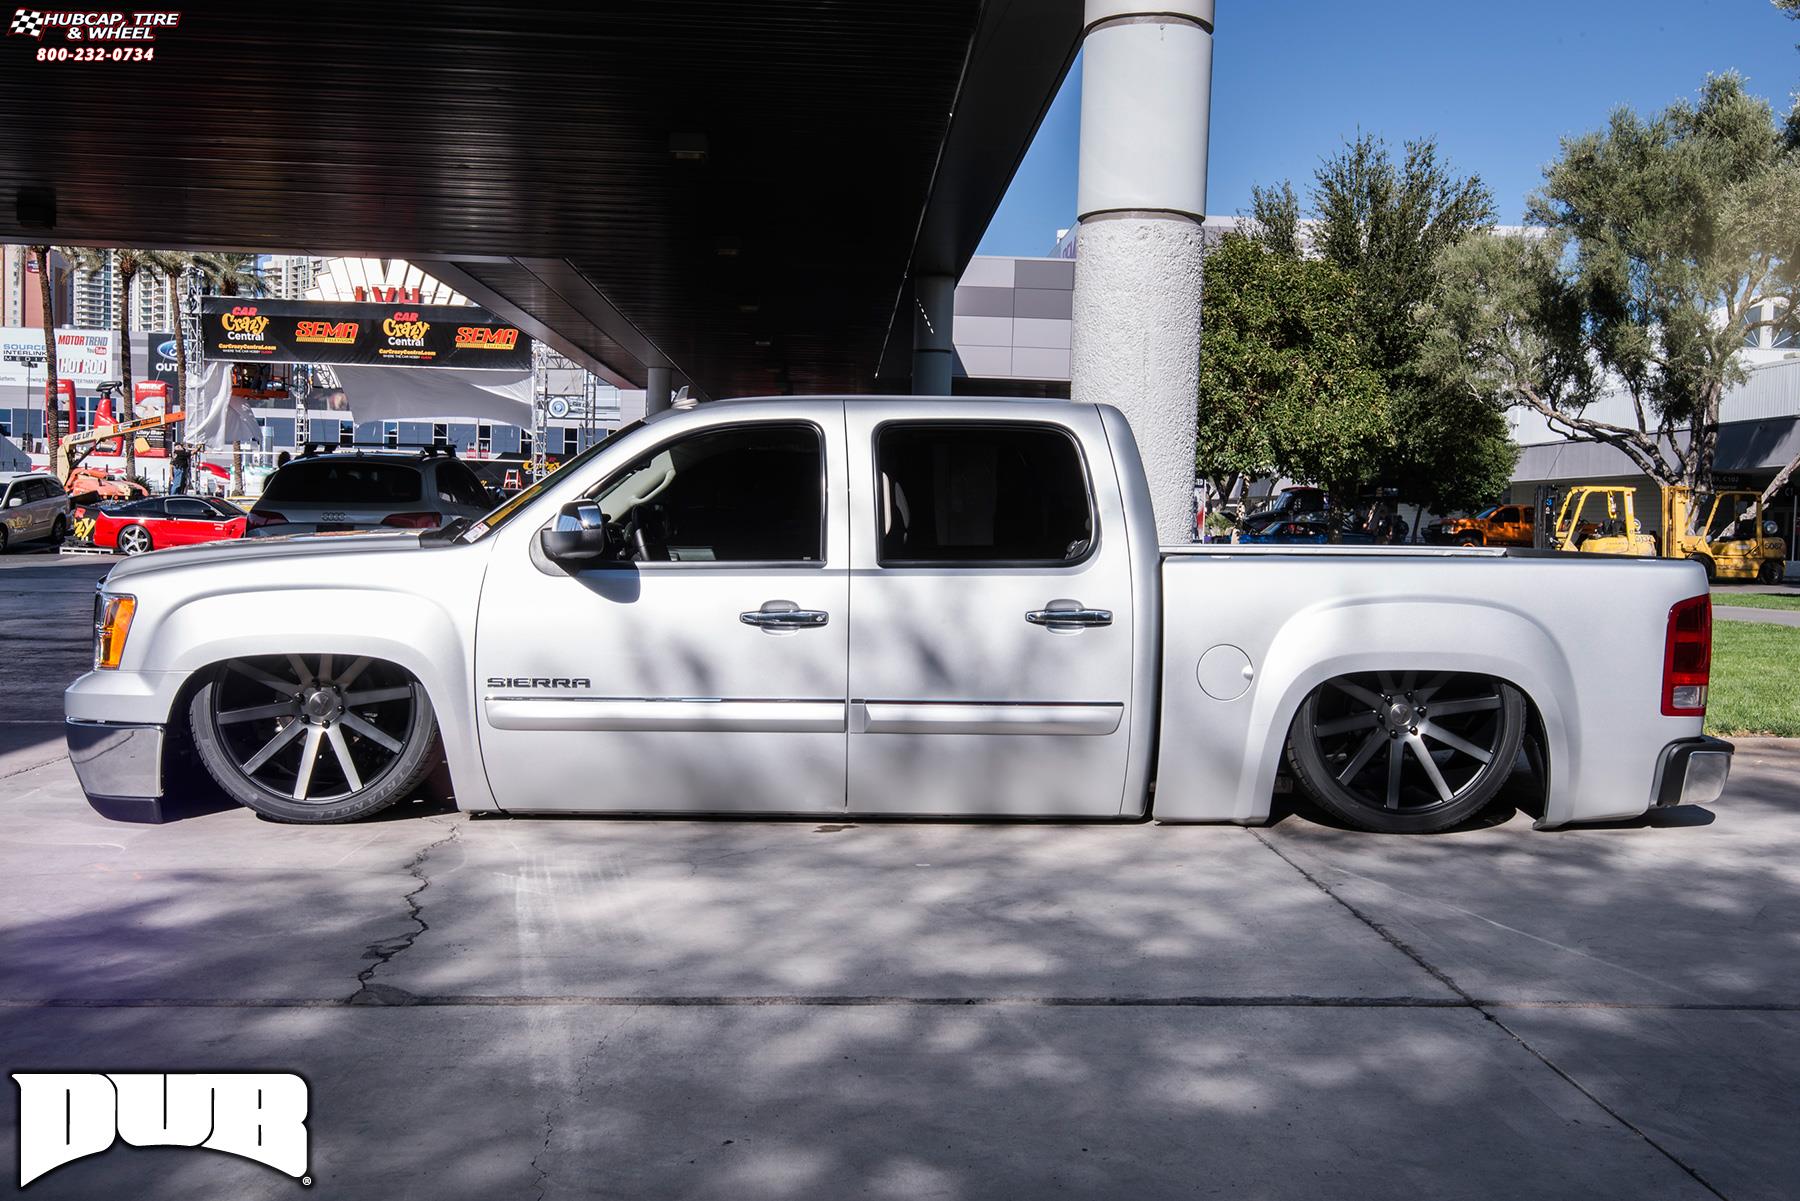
{"points": [[65, 1116], [85, 356], [243, 330]]}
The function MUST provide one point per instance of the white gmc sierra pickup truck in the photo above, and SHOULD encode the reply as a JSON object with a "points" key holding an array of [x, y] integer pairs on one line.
{"points": [[889, 606]]}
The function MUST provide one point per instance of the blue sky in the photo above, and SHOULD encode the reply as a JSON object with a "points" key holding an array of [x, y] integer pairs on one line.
{"points": [[1498, 85]]}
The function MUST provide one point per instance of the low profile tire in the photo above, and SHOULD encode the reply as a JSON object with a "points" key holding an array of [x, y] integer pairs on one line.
{"points": [[134, 540], [314, 738], [1771, 571], [1407, 752]]}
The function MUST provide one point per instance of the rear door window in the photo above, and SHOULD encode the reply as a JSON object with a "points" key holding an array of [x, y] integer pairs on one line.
{"points": [[189, 508], [332, 480], [964, 493], [457, 485]]}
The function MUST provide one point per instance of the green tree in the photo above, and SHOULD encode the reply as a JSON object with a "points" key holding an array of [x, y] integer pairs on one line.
{"points": [[126, 265], [172, 266], [1285, 384], [1383, 224], [1678, 234]]}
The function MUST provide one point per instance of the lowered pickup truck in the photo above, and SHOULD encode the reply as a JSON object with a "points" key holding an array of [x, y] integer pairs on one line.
{"points": [[889, 606]]}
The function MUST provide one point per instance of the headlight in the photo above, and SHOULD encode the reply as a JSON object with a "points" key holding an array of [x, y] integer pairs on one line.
{"points": [[112, 622]]}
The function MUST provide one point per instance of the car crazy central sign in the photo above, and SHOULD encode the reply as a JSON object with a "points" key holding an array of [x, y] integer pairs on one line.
{"points": [[245, 330], [65, 1116]]}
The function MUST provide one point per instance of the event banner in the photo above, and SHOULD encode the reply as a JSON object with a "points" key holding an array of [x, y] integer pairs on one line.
{"points": [[242, 329], [86, 356]]}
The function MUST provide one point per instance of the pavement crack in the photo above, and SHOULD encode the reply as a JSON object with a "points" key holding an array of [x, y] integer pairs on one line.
{"points": [[1487, 1011], [380, 954], [580, 1081]]}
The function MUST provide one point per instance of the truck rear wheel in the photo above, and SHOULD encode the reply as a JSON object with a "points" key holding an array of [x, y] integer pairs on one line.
{"points": [[1407, 752], [314, 738]]}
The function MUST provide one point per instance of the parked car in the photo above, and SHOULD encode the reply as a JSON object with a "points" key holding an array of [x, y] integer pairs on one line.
{"points": [[1498, 525], [891, 606], [1317, 529], [357, 489], [33, 506], [156, 522]]}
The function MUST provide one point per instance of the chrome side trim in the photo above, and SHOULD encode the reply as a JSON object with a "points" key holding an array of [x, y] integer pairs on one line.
{"points": [[685, 713], [975, 717], [116, 760]]}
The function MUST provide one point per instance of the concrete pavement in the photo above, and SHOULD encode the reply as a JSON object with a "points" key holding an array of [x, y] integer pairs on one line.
{"points": [[555, 1008]]}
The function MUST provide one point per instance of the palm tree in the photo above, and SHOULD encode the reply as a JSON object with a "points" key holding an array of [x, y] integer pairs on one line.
{"points": [[52, 432], [126, 264], [173, 265]]}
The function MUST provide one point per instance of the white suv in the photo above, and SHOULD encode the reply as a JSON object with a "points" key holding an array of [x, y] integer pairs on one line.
{"points": [[32, 506], [354, 489]]}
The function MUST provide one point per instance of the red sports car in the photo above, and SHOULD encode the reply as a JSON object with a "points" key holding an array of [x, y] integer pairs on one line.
{"points": [[158, 521]]}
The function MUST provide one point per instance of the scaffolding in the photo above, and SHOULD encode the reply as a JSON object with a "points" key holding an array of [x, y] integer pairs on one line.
{"points": [[552, 397]]}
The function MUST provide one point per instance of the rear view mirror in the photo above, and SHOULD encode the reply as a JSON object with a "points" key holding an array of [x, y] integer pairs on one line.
{"points": [[579, 533]]}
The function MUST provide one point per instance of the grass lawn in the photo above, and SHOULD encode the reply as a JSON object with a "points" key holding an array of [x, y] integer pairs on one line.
{"points": [[1753, 600], [1755, 679]]}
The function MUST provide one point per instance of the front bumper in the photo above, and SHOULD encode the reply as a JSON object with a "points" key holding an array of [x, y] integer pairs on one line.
{"points": [[120, 768], [1692, 772]]}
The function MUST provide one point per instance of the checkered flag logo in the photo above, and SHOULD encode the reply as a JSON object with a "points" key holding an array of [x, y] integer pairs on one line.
{"points": [[28, 21]]}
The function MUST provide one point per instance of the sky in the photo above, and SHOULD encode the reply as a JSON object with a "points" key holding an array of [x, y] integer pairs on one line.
{"points": [[1498, 85]]}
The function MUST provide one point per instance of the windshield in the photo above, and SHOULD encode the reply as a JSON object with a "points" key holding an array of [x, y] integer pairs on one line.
{"points": [[1487, 513], [344, 481], [512, 506]]}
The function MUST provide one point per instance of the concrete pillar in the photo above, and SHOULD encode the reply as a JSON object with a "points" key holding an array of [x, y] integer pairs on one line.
{"points": [[657, 390], [1146, 91], [934, 355]]}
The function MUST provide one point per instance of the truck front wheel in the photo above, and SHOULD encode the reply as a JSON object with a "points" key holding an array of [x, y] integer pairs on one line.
{"points": [[1407, 752], [314, 738]]}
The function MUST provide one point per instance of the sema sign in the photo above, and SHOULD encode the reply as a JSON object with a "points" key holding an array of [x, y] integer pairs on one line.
{"points": [[253, 330]]}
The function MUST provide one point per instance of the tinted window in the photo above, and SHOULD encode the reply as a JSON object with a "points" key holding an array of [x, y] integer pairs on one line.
{"points": [[971, 493], [187, 506], [223, 509], [749, 494], [457, 485], [1505, 515], [344, 480], [150, 506]]}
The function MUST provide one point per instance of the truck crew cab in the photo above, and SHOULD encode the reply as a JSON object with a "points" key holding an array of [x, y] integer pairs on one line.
{"points": [[889, 606]]}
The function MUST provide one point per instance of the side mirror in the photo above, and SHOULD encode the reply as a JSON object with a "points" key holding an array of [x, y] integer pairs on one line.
{"points": [[15, 502], [578, 534]]}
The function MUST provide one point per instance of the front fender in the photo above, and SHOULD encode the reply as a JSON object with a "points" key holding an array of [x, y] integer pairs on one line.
{"points": [[413, 631]]}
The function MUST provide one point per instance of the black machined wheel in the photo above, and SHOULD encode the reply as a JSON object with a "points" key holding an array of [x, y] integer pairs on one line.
{"points": [[1407, 752], [314, 738]]}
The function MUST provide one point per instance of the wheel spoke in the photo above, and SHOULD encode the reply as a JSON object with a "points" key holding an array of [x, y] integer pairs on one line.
{"points": [[255, 712], [1395, 763], [1360, 693], [1432, 730], [262, 677], [1477, 704], [375, 696], [1423, 755], [336, 735], [369, 731], [309, 754], [1429, 688], [1387, 683], [1364, 753], [351, 672], [1343, 725], [282, 737], [324, 669], [300, 669]]}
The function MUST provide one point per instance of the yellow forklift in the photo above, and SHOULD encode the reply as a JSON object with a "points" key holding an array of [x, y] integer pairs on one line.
{"points": [[1597, 519], [1736, 541]]}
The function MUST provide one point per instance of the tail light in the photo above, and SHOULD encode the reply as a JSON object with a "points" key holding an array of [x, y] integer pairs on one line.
{"points": [[412, 521], [260, 517], [1687, 658]]}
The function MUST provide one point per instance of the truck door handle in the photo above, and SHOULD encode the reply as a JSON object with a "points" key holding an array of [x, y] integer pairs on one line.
{"points": [[1068, 615], [779, 615]]}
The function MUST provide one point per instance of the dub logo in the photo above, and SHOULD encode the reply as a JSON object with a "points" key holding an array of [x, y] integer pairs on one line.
{"points": [[65, 1116]]}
